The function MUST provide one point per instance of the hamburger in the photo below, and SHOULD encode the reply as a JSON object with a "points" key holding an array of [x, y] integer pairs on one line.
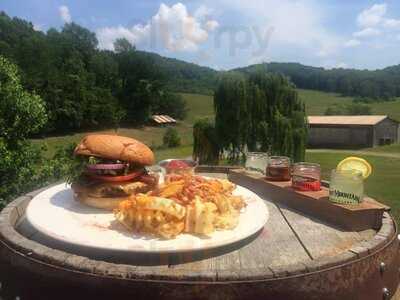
{"points": [[111, 169]]}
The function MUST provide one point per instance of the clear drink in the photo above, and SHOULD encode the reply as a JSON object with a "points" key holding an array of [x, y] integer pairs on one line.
{"points": [[256, 161], [346, 187]]}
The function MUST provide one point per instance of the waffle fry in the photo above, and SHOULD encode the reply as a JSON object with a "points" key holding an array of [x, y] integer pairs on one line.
{"points": [[154, 215]]}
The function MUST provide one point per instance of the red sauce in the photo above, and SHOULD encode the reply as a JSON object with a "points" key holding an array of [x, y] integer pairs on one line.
{"points": [[303, 183], [177, 164]]}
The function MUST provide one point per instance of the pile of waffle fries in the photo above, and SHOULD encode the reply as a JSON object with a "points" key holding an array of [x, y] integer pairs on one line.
{"points": [[183, 204]]}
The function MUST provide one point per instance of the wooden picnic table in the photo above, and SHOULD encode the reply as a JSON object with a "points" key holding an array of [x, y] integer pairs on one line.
{"points": [[293, 257]]}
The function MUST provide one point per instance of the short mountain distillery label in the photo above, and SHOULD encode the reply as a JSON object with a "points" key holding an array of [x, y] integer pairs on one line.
{"points": [[344, 197]]}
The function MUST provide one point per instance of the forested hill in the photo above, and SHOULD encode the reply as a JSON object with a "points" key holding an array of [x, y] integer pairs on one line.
{"points": [[20, 41], [181, 76], [384, 83]]}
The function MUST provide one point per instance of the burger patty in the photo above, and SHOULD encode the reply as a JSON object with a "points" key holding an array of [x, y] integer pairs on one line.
{"points": [[120, 190], [108, 189]]}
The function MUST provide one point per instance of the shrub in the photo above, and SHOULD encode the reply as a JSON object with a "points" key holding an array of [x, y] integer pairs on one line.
{"points": [[171, 138]]}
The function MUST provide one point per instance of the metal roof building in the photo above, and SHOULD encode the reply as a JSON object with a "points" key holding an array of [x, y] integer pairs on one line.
{"points": [[163, 119], [352, 131]]}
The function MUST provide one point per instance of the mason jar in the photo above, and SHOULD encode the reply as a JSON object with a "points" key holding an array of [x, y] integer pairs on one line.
{"points": [[278, 168], [256, 161], [306, 176], [346, 187]]}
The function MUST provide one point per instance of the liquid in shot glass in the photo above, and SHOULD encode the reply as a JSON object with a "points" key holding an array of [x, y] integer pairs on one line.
{"points": [[256, 161], [306, 176], [346, 187], [278, 168]]}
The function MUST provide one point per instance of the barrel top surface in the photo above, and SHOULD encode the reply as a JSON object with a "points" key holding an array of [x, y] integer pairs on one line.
{"points": [[290, 244]]}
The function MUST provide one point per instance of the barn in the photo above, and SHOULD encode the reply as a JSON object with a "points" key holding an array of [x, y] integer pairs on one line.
{"points": [[352, 131]]}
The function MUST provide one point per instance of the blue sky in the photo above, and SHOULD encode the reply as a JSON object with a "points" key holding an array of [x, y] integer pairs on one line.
{"points": [[225, 34]]}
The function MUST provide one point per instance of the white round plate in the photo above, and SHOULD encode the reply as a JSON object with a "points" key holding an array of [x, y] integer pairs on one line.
{"points": [[55, 213]]}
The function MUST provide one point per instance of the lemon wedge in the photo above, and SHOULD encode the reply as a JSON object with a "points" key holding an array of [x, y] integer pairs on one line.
{"points": [[355, 163]]}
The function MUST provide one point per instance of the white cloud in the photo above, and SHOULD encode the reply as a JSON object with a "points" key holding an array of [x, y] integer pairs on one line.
{"points": [[372, 16], [352, 43], [211, 25], [203, 12], [391, 24], [374, 23], [375, 16], [37, 27], [65, 14], [342, 65], [367, 32], [172, 27], [295, 24]]}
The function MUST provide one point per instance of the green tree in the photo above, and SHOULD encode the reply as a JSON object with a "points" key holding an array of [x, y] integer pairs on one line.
{"points": [[205, 142], [21, 114], [260, 112], [232, 114], [123, 45]]}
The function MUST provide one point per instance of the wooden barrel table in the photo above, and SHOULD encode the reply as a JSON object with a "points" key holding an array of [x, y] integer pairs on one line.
{"points": [[293, 257]]}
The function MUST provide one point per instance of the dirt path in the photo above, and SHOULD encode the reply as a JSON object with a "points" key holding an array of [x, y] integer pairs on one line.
{"points": [[361, 152]]}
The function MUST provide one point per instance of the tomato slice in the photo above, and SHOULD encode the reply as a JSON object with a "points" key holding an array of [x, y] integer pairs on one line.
{"points": [[106, 178]]}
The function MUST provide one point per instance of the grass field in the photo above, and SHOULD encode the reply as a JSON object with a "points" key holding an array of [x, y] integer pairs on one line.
{"points": [[200, 106], [317, 102], [395, 148]]}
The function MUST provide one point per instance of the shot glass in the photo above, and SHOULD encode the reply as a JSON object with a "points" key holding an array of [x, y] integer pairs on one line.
{"points": [[256, 161], [278, 168], [306, 176], [346, 187]]}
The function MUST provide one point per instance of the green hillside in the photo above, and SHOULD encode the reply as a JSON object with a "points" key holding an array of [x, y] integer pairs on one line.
{"points": [[317, 102], [392, 109], [381, 83], [182, 76], [199, 106]]}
